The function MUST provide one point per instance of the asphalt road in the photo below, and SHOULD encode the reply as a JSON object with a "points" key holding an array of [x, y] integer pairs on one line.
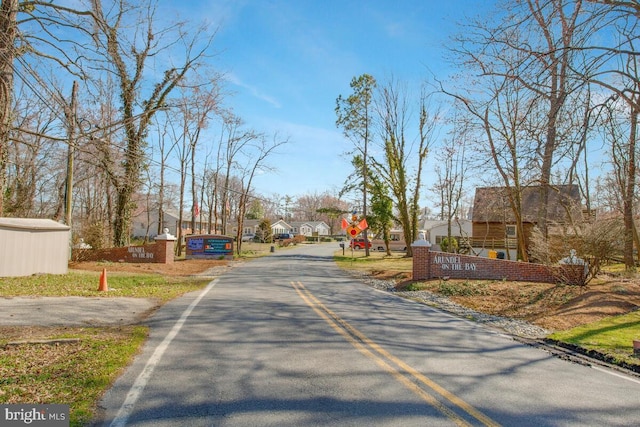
{"points": [[290, 340]]}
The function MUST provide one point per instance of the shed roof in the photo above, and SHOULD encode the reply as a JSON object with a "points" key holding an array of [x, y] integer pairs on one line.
{"points": [[32, 224]]}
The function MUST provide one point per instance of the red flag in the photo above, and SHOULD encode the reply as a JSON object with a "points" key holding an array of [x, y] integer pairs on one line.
{"points": [[196, 208], [345, 224], [363, 224]]}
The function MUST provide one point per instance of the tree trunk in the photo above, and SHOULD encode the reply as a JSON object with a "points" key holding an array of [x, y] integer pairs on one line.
{"points": [[629, 193], [8, 15]]}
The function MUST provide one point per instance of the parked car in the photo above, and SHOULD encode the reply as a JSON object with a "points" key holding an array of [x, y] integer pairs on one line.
{"points": [[282, 236], [248, 237], [359, 243]]}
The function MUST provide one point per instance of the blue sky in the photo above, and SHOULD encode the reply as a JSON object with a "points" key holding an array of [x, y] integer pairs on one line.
{"points": [[287, 61]]}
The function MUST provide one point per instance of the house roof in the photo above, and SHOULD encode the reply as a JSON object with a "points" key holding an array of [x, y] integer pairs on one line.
{"points": [[312, 224], [492, 205]]}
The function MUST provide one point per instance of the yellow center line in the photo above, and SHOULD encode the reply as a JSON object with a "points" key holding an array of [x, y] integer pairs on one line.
{"points": [[369, 348]]}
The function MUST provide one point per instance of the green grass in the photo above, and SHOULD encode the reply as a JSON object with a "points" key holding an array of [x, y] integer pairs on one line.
{"points": [[612, 336], [85, 284], [74, 373], [78, 373], [376, 261]]}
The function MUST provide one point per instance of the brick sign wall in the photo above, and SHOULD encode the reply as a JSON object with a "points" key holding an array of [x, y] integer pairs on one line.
{"points": [[429, 264], [160, 252]]}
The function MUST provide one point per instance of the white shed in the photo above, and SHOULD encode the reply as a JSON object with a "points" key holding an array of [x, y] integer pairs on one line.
{"points": [[29, 246]]}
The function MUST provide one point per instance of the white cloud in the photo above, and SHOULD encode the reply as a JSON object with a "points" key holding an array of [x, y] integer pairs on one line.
{"points": [[253, 91]]}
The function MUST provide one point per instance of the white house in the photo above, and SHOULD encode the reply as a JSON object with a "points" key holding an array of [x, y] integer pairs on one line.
{"points": [[435, 230], [310, 228], [145, 223], [250, 227], [281, 227]]}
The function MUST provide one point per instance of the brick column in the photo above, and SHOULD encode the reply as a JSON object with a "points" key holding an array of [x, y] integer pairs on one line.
{"points": [[164, 247], [421, 259]]}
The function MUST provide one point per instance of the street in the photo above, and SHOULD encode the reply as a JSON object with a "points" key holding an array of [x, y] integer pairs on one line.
{"points": [[291, 340]]}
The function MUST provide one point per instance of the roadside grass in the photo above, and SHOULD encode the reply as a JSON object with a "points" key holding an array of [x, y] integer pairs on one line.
{"points": [[75, 373], [85, 284], [376, 261], [612, 337]]}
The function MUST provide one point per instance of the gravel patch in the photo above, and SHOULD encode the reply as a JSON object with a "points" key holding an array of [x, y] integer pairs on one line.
{"points": [[510, 326]]}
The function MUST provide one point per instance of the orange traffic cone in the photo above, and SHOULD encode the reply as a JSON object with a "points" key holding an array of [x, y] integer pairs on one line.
{"points": [[103, 281]]}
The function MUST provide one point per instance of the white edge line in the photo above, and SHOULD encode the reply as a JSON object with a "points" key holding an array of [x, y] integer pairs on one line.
{"points": [[615, 374], [138, 386]]}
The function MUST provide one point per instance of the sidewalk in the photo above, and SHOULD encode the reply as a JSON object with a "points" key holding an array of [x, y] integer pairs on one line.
{"points": [[74, 311]]}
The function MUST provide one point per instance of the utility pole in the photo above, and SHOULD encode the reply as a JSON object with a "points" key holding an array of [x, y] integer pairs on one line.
{"points": [[70, 113]]}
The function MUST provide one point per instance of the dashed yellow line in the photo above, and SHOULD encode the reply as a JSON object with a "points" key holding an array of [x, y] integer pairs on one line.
{"points": [[401, 372]]}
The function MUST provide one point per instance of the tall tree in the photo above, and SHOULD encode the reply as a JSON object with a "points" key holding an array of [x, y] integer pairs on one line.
{"points": [[256, 158], [125, 55], [237, 140], [400, 166], [533, 45], [451, 171], [354, 116], [8, 29], [614, 65]]}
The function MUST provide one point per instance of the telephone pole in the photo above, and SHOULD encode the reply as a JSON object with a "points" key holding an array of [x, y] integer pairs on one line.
{"points": [[70, 112]]}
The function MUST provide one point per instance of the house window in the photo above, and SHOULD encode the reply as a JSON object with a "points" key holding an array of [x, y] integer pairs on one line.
{"points": [[510, 231]]}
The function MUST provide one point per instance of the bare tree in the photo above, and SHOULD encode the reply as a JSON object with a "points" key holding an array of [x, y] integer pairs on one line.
{"points": [[256, 156], [621, 130], [400, 166], [124, 54], [238, 141], [614, 66], [34, 184], [500, 119], [8, 29], [451, 171], [534, 46]]}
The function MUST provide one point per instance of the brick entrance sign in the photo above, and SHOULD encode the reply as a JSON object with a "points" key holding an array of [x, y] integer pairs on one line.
{"points": [[429, 264], [160, 252]]}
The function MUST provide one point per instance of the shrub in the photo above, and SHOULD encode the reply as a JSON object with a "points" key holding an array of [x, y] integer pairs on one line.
{"points": [[593, 242], [449, 245]]}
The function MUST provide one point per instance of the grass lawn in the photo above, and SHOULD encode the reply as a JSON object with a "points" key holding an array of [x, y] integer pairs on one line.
{"points": [[77, 370], [612, 336], [74, 372], [85, 283]]}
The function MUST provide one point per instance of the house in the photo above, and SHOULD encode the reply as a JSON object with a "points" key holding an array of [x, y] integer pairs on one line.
{"points": [[145, 223], [310, 228], [493, 221], [437, 230], [281, 227], [250, 227]]}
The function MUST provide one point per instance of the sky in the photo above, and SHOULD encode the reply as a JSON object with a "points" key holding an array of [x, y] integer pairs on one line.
{"points": [[287, 61]]}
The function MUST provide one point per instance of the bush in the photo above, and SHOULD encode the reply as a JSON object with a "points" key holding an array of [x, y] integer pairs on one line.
{"points": [[593, 242], [449, 245], [299, 239]]}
